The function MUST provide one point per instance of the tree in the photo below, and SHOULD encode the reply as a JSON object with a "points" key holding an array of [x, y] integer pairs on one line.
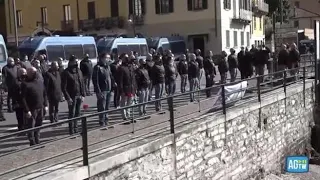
{"points": [[276, 7]]}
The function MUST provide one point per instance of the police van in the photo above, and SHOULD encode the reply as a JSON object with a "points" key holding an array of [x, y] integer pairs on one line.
{"points": [[55, 47], [119, 45], [176, 44]]}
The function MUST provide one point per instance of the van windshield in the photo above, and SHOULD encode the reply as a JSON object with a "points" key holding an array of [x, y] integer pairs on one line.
{"points": [[26, 51], [2, 53], [166, 47]]}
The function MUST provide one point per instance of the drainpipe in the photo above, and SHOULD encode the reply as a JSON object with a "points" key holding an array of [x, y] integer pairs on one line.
{"points": [[215, 17], [78, 15], [15, 23]]}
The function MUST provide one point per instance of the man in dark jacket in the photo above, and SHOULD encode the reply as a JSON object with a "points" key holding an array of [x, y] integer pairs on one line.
{"points": [[143, 84], [223, 67], [233, 65], [74, 91], [53, 87], [103, 81], [171, 74], [283, 59], [158, 80], [43, 64], [9, 75], [149, 66], [294, 59], [127, 85], [193, 75], [114, 67], [183, 72], [210, 72], [25, 62], [199, 60], [86, 69], [34, 99], [242, 63], [17, 99]]}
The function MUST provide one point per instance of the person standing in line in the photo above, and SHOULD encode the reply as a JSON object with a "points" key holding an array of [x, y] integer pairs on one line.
{"points": [[17, 99], [143, 84], [158, 80], [34, 100], [193, 75], [149, 66], [114, 67], [86, 69], [233, 65], [199, 60], [210, 72], [103, 81], [25, 62], [40, 72], [183, 72], [9, 75], [43, 64], [127, 85], [242, 63], [171, 74], [223, 67], [53, 87], [294, 59], [283, 59], [61, 69], [74, 91]]}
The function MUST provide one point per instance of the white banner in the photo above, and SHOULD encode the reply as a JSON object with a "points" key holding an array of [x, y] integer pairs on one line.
{"points": [[233, 93]]}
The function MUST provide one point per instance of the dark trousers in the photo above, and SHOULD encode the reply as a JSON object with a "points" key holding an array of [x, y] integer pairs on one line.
{"points": [[74, 111], [9, 101], [20, 119], [35, 121], [87, 84], [209, 83], [103, 104], [53, 111], [116, 98]]}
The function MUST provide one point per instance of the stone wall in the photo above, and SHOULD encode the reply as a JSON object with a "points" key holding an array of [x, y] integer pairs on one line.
{"points": [[251, 138]]}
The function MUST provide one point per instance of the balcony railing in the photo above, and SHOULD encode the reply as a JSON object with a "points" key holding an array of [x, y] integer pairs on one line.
{"points": [[242, 16], [67, 25], [260, 6], [138, 20], [102, 23]]}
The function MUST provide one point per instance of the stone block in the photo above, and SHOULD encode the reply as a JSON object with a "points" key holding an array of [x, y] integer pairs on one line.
{"points": [[190, 173]]}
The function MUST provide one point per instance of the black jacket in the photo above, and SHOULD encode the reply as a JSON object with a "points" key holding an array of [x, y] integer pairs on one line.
{"points": [[17, 96], [26, 64], [127, 79], [142, 78], [223, 65], [102, 78], [283, 57], [199, 60], [158, 74], [72, 83], [10, 75], [232, 61], [86, 67], [171, 72], [34, 95], [44, 68], [209, 67], [193, 70], [52, 81], [294, 56], [183, 67]]}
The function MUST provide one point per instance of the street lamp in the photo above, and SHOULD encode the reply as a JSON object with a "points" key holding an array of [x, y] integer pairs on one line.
{"points": [[132, 23]]}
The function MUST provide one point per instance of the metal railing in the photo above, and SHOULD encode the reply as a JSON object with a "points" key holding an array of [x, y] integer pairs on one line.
{"points": [[281, 80]]}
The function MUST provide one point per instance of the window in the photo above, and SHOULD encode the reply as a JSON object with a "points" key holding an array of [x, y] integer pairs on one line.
{"points": [[242, 38], [254, 23], [75, 50], [296, 23], [67, 12], [228, 38], [235, 38], [197, 5], [90, 49], [54, 52], [297, 4], [2, 53], [123, 49], [248, 39], [260, 23], [164, 6], [143, 50], [19, 18], [91, 10], [137, 7], [134, 48], [114, 8], [227, 4], [44, 15]]}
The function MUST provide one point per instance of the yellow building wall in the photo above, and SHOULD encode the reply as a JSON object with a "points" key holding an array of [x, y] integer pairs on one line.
{"points": [[31, 13], [257, 29]]}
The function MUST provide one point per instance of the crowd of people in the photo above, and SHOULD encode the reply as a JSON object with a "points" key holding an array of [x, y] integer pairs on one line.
{"points": [[34, 87]]}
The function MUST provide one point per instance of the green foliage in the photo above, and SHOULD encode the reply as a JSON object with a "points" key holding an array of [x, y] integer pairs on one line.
{"points": [[275, 7]]}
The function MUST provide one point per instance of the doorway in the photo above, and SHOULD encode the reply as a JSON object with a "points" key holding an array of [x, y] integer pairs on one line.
{"points": [[198, 43]]}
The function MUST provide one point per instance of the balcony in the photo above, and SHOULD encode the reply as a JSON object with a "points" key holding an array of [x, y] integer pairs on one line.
{"points": [[138, 20], [242, 16], [260, 7], [102, 23], [67, 25]]}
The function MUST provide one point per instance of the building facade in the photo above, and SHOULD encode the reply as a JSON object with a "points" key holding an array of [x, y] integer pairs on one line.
{"points": [[260, 9], [65, 17], [305, 12]]}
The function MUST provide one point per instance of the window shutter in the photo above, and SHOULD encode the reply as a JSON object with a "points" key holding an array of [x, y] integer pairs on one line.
{"points": [[157, 6], [130, 7], [143, 6], [171, 6], [189, 5], [205, 4]]}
